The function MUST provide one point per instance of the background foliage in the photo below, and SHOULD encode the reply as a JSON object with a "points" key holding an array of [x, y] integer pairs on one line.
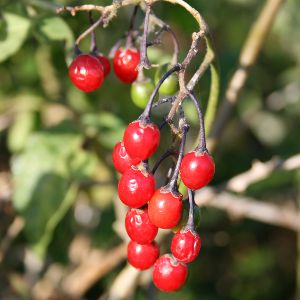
{"points": [[56, 141]]}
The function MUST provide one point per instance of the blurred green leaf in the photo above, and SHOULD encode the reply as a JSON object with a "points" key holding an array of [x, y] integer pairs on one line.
{"points": [[43, 174], [18, 133], [16, 33], [42, 244], [56, 29], [107, 127]]}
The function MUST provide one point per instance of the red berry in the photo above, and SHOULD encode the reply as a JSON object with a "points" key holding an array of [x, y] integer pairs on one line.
{"points": [[121, 160], [86, 72], [142, 256], [138, 226], [136, 187], [105, 63], [168, 274], [125, 64], [197, 169], [141, 141], [186, 245], [165, 209]]}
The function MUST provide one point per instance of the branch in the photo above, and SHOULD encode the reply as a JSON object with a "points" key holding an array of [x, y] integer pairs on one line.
{"points": [[124, 284], [251, 49], [261, 170], [245, 207], [93, 268], [12, 232], [74, 9]]}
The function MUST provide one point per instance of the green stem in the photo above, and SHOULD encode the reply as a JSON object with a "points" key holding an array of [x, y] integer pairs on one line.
{"points": [[212, 103], [41, 246]]}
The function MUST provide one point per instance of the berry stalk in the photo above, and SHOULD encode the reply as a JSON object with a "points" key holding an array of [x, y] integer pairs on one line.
{"points": [[202, 141], [173, 182], [190, 222], [129, 39], [145, 116]]}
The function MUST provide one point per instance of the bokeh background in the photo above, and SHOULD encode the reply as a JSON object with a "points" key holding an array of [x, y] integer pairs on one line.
{"points": [[57, 183]]}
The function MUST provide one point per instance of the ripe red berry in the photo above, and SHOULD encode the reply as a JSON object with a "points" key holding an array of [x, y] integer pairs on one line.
{"points": [[142, 256], [168, 274], [197, 169], [138, 226], [86, 72], [136, 187], [105, 63], [125, 64], [141, 141], [186, 245], [121, 160], [165, 208]]}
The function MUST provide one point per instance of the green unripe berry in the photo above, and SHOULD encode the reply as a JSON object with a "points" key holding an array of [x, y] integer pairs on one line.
{"points": [[170, 85], [141, 92]]}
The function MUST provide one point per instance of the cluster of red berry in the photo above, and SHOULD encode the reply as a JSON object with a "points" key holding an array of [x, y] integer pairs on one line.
{"points": [[152, 209], [87, 71]]}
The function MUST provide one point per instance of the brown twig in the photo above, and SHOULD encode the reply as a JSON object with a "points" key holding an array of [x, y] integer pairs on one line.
{"points": [[245, 207], [96, 265], [251, 49], [124, 284], [74, 9], [13, 231], [261, 170]]}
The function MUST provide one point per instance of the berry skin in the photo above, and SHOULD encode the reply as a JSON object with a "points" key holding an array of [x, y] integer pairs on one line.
{"points": [[197, 169], [86, 72], [141, 141], [168, 274], [141, 92], [125, 64], [142, 256], [121, 160], [165, 209], [186, 245], [105, 63], [136, 187], [138, 226]]}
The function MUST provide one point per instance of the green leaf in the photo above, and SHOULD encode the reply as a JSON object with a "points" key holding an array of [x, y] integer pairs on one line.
{"points": [[42, 244], [51, 163], [20, 130], [56, 29], [107, 127], [16, 32], [43, 161]]}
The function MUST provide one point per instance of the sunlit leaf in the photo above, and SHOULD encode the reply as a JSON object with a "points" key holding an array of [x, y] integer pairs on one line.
{"points": [[16, 32]]}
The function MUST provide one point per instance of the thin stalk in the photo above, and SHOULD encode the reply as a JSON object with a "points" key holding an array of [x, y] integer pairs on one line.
{"points": [[129, 39], [144, 57], [175, 43], [89, 30], [114, 48], [93, 45], [213, 99], [163, 101], [168, 153], [190, 222], [202, 141], [147, 112], [173, 182]]}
